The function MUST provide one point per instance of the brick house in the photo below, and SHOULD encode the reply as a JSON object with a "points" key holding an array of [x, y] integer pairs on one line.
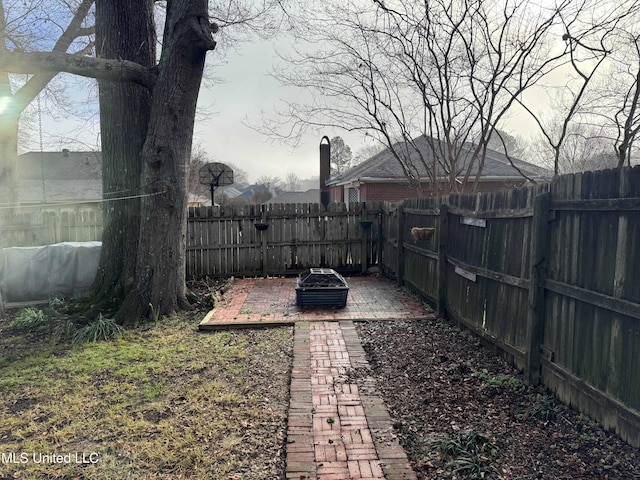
{"points": [[62, 176], [381, 177]]}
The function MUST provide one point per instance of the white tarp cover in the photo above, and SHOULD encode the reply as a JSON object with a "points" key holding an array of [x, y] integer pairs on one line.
{"points": [[29, 274]]}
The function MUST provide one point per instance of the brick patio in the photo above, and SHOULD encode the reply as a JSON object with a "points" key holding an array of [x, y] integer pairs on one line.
{"points": [[255, 302], [338, 426]]}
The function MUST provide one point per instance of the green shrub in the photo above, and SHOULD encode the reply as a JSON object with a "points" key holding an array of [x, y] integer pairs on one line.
{"points": [[97, 330], [30, 319], [460, 442], [468, 454], [501, 380], [63, 329], [544, 408]]}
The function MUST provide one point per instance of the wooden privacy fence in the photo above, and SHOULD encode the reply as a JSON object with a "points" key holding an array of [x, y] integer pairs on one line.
{"points": [[548, 274], [33, 226], [280, 239]]}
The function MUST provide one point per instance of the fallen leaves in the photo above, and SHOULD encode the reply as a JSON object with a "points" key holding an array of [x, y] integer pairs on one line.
{"points": [[434, 378]]}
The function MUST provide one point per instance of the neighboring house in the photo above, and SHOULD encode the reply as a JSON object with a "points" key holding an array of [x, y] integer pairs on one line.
{"points": [[310, 196], [195, 200], [55, 177], [231, 192], [259, 193], [381, 177], [68, 177]]}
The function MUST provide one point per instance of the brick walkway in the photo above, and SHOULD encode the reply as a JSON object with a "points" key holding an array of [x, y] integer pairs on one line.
{"points": [[272, 301], [338, 428]]}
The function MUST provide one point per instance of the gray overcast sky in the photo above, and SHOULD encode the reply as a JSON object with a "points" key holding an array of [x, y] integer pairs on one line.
{"points": [[246, 92]]}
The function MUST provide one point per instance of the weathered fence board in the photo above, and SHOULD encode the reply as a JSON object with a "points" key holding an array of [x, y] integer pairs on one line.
{"points": [[225, 241], [551, 279], [592, 331], [34, 226]]}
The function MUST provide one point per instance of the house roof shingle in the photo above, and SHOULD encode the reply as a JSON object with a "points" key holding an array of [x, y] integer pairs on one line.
{"points": [[67, 176], [384, 166], [310, 196]]}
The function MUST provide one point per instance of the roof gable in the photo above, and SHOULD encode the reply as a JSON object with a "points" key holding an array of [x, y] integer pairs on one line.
{"points": [[385, 166], [64, 165]]}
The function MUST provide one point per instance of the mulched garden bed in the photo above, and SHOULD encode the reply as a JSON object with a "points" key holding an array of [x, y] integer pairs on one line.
{"points": [[456, 405]]}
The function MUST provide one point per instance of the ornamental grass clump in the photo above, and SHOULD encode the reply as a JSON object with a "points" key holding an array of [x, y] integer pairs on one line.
{"points": [[97, 330]]}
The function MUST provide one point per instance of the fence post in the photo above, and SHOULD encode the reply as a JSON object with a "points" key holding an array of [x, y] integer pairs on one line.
{"points": [[364, 230], [400, 239], [263, 237], [538, 251], [443, 232], [379, 249]]}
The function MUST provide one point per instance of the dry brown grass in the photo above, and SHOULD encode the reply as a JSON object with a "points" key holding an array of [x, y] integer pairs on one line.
{"points": [[163, 402]]}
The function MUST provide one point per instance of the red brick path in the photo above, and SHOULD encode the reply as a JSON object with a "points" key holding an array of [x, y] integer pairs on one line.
{"points": [[272, 301], [338, 430]]}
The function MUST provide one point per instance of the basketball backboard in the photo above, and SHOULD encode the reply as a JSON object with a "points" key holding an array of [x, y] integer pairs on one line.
{"points": [[216, 174]]}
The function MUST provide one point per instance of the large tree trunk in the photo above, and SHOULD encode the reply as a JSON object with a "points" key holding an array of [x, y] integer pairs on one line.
{"points": [[146, 138], [124, 30], [160, 266]]}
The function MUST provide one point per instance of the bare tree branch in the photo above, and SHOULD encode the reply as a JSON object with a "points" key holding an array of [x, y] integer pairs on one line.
{"points": [[104, 69], [30, 90]]}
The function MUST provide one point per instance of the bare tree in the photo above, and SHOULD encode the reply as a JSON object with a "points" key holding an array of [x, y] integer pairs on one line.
{"points": [[616, 100], [627, 117], [584, 147], [507, 144], [445, 71], [292, 182], [366, 152], [341, 156], [593, 42], [448, 72], [309, 183], [272, 181]]}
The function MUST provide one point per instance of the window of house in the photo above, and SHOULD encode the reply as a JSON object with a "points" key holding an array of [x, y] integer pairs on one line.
{"points": [[354, 195]]}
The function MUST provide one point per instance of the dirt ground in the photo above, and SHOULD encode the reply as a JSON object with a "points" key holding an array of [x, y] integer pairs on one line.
{"points": [[457, 406]]}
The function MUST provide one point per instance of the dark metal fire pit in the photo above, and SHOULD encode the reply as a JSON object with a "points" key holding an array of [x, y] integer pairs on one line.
{"points": [[321, 287]]}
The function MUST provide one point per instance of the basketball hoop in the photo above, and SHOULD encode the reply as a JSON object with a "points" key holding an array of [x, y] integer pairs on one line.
{"points": [[215, 175]]}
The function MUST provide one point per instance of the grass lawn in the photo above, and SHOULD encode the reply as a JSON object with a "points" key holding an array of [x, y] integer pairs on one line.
{"points": [[162, 402]]}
